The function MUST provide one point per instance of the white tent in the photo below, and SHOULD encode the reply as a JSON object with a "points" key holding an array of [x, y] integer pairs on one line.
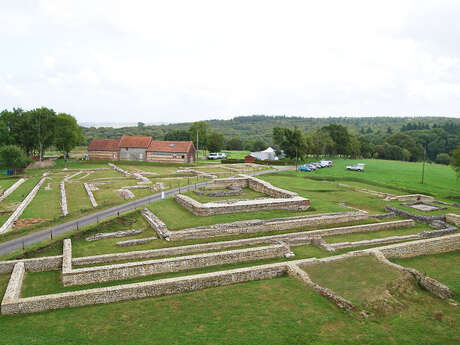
{"points": [[265, 155]]}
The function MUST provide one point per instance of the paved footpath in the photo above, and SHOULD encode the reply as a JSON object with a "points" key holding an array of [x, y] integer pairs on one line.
{"points": [[42, 235]]}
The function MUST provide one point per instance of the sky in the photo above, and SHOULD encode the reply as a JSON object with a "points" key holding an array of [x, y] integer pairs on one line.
{"points": [[182, 61]]}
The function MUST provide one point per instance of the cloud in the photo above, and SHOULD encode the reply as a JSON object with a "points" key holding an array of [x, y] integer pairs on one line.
{"points": [[187, 60]]}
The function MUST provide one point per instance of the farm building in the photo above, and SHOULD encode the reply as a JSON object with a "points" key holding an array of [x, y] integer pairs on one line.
{"points": [[133, 148], [141, 149], [171, 151], [103, 149]]}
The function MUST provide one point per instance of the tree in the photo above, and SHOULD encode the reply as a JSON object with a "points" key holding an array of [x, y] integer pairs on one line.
{"points": [[215, 142], [13, 157], [322, 143], [68, 133], [290, 141], [234, 144], [354, 147], [178, 135], [140, 124], [259, 145], [199, 134], [442, 158], [339, 134], [43, 121], [455, 160]]}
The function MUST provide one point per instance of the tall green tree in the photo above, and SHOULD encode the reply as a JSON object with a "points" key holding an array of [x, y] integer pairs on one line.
{"points": [[455, 160], [13, 157], [339, 134], [290, 141], [199, 134], [234, 144], [68, 133], [215, 142], [43, 121]]}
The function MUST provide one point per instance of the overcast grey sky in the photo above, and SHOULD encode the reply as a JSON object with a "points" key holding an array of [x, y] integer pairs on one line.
{"points": [[177, 61]]}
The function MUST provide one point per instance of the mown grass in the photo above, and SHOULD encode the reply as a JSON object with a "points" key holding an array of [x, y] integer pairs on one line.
{"points": [[77, 197], [358, 279], [278, 311], [439, 181], [46, 204], [246, 194], [443, 267]]}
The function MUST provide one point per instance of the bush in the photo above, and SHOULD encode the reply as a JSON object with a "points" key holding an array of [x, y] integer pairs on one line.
{"points": [[279, 162], [442, 158]]}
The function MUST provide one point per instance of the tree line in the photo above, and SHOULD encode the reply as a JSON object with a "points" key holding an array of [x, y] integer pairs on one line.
{"points": [[25, 134]]}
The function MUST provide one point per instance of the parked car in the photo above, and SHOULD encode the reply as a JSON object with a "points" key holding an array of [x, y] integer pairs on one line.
{"points": [[217, 155], [304, 168], [356, 167], [312, 166], [325, 164]]}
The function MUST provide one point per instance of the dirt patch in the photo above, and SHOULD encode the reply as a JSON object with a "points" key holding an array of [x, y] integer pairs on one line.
{"points": [[21, 223], [42, 164]]}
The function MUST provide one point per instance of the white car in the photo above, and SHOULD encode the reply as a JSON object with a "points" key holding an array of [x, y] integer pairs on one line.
{"points": [[356, 167], [217, 155], [325, 164]]}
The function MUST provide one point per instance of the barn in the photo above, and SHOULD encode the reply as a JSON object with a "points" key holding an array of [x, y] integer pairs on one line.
{"points": [[171, 151], [142, 149], [133, 148], [103, 149]]}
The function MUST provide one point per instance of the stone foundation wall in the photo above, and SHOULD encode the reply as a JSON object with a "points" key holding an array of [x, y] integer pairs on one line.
{"points": [[422, 247], [63, 199], [453, 218], [12, 188], [212, 208], [8, 225], [49, 263], [101, 274], [270, 225], [156, 224], [141, 290], [90, 194], [417, 217]]}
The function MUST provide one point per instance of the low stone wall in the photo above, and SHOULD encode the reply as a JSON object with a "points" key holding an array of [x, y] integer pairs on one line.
{"points": [[270, 225], [412, 197], [130, 270], [8, 225], [66, 256], [296, 272], [141, 290], [13, 289], [232, 206], [156, 223], [453, 218], [90, 195], [63, 199], [137, 241], [12, 188], [422, 247], [222, 183], [116, 234], [436, 288], [120, 170], [267, 188], [48, 263], [376, 241], [417, 217]]}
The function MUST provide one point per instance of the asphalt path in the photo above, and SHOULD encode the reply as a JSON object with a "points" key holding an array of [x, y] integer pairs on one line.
{"points": [[24, 241]]}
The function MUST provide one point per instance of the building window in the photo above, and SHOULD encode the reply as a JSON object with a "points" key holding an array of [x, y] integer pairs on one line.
{"points": [[183, 156]]}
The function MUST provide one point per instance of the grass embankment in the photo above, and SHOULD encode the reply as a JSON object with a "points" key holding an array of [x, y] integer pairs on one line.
{"points": [[439, 181], [278, 311], [443, 267]]}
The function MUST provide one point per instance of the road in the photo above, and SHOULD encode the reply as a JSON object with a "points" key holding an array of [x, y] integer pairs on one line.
{"points": [[42, 235]]}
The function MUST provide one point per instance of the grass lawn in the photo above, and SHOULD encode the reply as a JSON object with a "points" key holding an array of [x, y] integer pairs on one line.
{"points": [[443, 267], [77, 197], [325, 196], [278, 311], [247, 194], [359, 279], [377, 234], [176, 217], [6, 183], [46, 204], [440, 180], [23, 190]]}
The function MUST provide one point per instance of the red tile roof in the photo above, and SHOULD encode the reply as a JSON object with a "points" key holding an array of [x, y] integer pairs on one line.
{"points": [[128, 141], [103, 145], [170, 146]]}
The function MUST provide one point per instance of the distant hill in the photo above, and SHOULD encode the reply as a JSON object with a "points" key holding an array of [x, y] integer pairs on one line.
{"points": [[259, 127]]}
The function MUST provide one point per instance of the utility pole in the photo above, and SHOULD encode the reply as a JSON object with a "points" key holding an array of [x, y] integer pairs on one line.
{"points": [[423, 166], [197, 147]]}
